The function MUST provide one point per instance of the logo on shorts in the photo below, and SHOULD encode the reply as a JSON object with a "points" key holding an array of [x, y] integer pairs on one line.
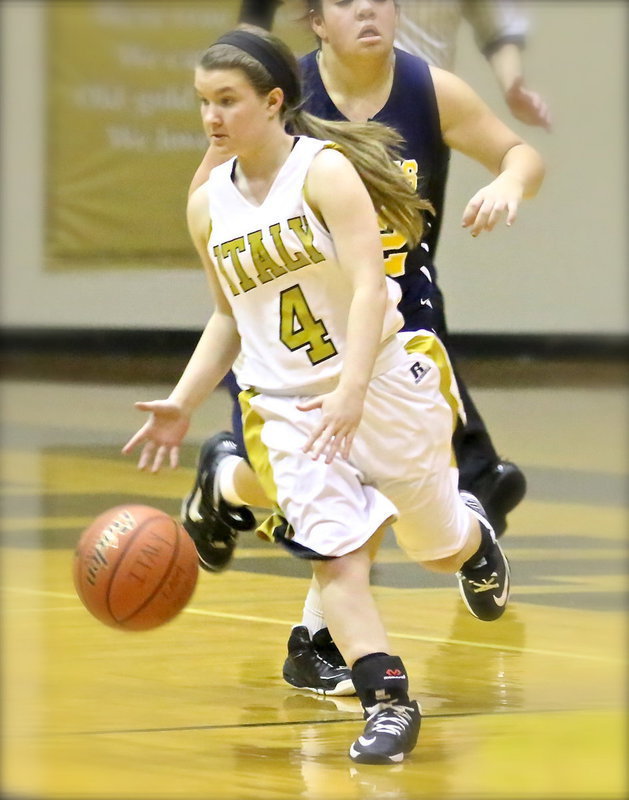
{"points": [[418, 371]]}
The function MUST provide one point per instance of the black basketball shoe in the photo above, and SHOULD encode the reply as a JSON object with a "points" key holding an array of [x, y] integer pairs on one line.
{"points": [[316, 664], [485, 579], [500, 489], [212, 523], [390, 734]]}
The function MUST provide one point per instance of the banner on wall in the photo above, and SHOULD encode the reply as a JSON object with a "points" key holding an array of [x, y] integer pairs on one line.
{"points": [[124, 134]]}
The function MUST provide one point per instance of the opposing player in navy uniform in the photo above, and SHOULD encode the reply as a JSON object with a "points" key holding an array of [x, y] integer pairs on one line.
{"points": [[412, 109], [357, 74]]}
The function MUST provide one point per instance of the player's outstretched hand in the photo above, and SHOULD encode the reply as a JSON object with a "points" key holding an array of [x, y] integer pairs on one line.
{"points": [[161, 434]]}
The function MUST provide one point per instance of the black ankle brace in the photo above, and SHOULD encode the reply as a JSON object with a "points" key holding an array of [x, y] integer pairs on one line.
{"points": [[380, 678]]}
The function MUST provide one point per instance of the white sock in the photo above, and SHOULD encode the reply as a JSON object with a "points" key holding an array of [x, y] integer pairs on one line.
{"points": [[313, 617], [224, 481]]}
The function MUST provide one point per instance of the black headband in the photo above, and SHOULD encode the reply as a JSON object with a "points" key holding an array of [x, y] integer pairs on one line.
{"points": [[265, 53]]}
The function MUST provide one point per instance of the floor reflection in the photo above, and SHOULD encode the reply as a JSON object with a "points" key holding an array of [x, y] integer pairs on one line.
{"points": [[465, 678]]}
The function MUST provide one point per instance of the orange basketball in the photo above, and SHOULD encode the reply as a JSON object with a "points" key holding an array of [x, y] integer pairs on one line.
{"points": [[135, 567]]}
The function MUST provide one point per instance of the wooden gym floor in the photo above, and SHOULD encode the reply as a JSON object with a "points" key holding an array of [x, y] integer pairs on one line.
{"points": [[530, 706]]}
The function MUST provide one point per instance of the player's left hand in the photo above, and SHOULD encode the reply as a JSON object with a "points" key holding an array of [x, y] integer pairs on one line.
{"points": [[340, 416], [498, 200]]}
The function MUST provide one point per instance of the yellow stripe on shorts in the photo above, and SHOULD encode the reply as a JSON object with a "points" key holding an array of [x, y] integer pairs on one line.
{"points": [[258, 454], [430, 345]]}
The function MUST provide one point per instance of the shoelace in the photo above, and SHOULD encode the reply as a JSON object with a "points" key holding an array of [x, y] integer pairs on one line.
{"points": [[394, 720], [486, 584]]}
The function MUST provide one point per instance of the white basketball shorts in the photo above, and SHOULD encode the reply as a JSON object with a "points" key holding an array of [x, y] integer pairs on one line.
{"points": [[401, 468]]}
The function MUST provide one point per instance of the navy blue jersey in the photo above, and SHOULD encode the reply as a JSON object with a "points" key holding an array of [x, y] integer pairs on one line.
{"points": [[411, 109]]}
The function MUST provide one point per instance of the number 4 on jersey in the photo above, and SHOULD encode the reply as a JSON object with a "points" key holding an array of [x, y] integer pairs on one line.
{"points": [[299, 328]]}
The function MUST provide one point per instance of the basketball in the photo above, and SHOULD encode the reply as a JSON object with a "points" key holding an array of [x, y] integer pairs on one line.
{"points": [[135, 567]]}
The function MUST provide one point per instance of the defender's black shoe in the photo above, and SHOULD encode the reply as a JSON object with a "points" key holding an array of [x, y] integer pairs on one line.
{"points": [[316, 664], [390, 733], [485, 579], [212, 523], [327, 649], [500, 490]]}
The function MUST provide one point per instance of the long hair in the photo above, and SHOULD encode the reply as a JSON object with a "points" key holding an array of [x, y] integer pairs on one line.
{"points": [[371, 147]]}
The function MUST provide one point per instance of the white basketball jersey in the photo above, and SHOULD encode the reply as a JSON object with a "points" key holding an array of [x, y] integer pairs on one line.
{"points": [[277, 266]]}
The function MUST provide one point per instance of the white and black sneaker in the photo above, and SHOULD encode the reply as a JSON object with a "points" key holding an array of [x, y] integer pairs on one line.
{"points": [[485, 579], [212, 523], [316, 664], [391, 733]]}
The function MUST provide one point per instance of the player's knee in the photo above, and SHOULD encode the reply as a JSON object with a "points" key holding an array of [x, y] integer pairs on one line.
{"points": [[446, 565], [443, 554]]}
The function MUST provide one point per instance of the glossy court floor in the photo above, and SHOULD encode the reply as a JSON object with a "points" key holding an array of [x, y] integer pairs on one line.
{"points": [[530, 706]]}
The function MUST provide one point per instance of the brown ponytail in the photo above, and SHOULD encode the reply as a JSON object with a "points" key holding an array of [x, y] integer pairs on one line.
{"points": [[373, 149]]}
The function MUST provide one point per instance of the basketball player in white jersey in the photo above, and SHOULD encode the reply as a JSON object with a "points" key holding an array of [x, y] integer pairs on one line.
{"points": [[289, 236]]}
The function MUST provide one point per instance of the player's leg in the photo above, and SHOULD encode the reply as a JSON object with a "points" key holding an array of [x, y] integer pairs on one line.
{"points": [[437, 526], [313, 661], [460, 541], [217, 507], [380, 678], [212, 521], [331, 517], [224, 484], [499, 484]]}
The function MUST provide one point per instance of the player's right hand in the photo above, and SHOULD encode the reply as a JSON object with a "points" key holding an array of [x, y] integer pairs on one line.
{"points": [[161, 434]]}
